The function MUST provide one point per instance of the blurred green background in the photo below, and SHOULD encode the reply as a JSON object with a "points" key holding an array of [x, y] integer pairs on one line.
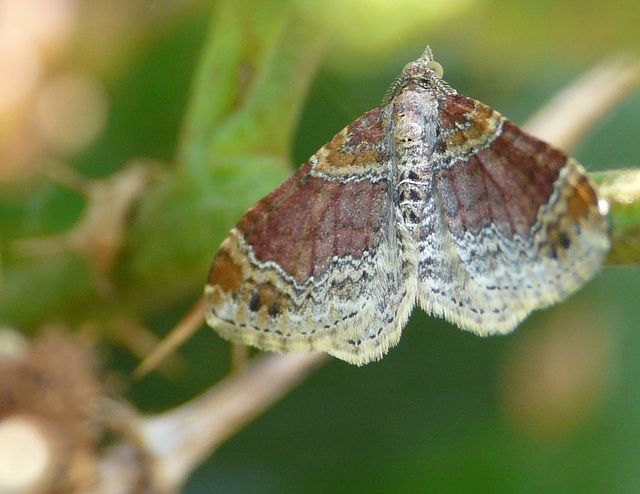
{"points": [[554, 407]]}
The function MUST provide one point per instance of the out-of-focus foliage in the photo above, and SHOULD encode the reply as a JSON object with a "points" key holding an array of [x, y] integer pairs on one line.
{"points": [[551, 408]]}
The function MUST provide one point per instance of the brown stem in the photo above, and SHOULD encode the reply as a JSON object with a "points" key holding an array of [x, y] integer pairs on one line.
{"points": [[177, 441], [573, 112]]}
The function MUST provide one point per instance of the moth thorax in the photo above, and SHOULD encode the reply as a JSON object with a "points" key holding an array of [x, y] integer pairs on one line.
{"points": [[414, 122]]}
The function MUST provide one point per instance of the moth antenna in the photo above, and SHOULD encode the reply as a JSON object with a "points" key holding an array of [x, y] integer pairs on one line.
{"points": [[390, 93]]}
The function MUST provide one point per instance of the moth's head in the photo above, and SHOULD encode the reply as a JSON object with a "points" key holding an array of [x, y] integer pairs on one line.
{"points": [[424, 71], [424, 67]]}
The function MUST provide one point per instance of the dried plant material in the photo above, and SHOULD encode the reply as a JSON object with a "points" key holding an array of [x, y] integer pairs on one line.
{"points": [[28, 456], [187, 326], [51, 396], [13, 345], [142, 342]]}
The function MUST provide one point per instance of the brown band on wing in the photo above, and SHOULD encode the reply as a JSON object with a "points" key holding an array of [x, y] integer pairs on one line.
{"points": [[504, 184], [307, 221], [513, 190], [259, 211], [464, 197], [455, 109], [582, 199], [524, 170], [225, 272]]}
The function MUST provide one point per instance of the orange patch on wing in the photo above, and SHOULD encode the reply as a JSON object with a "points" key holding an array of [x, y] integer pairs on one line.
{"points": [[476, 127], [271, 298], [581, 199], [225, 272], [356, 146], [334, 156], [267, 301]]}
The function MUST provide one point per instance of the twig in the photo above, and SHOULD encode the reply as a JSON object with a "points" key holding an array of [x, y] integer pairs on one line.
{"points": [[174, 443], [187, 326], [569, 116]]}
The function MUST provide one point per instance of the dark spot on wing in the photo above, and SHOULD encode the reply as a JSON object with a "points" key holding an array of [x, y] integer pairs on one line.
{"points": [[274, 310], [254, 302]]}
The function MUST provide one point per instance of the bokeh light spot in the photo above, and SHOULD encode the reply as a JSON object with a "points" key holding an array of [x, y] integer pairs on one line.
{"points": [[556, 376], [71, 112], [19, 68]]}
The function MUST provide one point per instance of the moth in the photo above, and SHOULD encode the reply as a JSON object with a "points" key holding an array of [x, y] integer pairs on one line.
{"points": [[432, 199]]}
